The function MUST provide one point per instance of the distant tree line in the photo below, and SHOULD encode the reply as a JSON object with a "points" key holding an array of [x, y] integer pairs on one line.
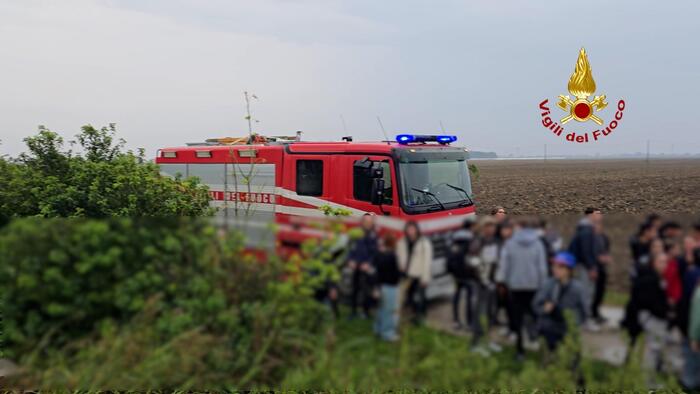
{"points": [[482, 155]]}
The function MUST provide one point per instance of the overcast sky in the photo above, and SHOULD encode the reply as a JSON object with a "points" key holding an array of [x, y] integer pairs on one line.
{"points": [[174, 71]]}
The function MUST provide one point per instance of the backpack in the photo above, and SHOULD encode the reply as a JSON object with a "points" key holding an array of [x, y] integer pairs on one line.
{"points": [[457, 264]]}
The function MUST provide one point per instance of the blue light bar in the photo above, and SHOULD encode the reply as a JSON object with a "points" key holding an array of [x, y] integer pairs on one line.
{"points": [[446, 139], [441, 139], [405, 138]]}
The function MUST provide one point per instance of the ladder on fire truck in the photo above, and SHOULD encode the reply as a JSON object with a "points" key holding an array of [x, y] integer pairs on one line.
{"points": [[253, 139]]}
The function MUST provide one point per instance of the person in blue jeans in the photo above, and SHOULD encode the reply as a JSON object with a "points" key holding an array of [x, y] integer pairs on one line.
{"points": [[388, 276]]}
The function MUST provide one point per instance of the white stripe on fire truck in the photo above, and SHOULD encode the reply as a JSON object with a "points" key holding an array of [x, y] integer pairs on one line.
{"points": [[315, 201], [288, 227], [426, 225]]}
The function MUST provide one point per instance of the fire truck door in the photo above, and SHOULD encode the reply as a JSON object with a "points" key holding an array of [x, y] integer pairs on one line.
{"points": [[359, 194]]}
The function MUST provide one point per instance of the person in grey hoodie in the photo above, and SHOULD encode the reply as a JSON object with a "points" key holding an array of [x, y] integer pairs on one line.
{"points": [[522, 269]]}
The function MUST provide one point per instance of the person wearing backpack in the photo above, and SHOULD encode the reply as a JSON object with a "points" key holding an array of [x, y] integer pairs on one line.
{"points": [[462, 273], [559, 294]]}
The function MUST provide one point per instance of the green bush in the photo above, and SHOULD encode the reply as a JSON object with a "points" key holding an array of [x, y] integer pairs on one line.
{"points": [[59, 277], [100, 181], [76, 292]]}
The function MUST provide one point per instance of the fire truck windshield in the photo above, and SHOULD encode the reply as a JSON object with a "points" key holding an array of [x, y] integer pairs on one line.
{"points": [[434, 184]]}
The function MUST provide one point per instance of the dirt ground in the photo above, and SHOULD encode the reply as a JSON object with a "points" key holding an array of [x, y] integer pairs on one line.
{"points": [[567, 186], [626, 191]]}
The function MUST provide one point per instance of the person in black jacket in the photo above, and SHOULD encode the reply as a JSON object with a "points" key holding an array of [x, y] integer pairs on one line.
{"points": [[388, 276], [462, 272], [360, 259], [603, 260], [670, 231], [583, 247], [647, 310], [640, 245]]}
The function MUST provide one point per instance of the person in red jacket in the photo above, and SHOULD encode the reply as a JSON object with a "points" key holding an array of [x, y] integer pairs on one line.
{"points": [[674, 286], [674, 282]]}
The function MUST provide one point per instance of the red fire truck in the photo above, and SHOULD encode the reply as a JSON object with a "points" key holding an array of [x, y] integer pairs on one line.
{"points": [[259, 180]]}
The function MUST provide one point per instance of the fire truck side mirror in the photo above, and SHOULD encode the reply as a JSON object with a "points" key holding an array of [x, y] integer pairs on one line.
{"points": [[377, 191]]}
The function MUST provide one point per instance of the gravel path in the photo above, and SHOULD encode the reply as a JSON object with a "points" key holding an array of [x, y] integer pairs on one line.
{"points": [[608, 344]]}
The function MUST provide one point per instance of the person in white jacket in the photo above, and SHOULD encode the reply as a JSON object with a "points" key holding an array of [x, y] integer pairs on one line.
{"points": [[415, 255]]}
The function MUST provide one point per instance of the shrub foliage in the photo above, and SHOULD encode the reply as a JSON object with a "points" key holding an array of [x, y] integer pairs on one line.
{"points": [[83, 292], [100, 180]]}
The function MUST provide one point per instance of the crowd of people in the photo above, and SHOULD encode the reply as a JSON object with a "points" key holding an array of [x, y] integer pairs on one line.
{"points": [[665, 276], [519, 275]]}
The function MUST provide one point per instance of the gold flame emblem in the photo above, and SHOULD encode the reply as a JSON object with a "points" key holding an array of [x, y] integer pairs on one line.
{"points": [[581, 86]]}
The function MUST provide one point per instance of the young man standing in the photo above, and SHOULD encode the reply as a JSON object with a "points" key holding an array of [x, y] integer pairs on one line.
{"points": [[522, 270], [583, 248]]}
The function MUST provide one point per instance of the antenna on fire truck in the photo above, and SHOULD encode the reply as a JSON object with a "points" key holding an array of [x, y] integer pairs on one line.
{"points": [[342, 119], [442, 127], [386, 137]]}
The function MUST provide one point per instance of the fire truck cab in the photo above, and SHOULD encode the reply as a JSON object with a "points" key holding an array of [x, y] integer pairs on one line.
{"points": [[262, 180]]}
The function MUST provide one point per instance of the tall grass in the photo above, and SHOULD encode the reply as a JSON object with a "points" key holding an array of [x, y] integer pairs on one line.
{"points": [[353, 359], [341, 355]]}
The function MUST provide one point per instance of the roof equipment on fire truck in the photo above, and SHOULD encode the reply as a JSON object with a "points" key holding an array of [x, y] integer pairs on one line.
{"points": [[248, 140], [405, 139]]}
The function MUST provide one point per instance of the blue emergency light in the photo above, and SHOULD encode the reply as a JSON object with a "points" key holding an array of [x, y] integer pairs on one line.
{"points": [[441, 139], [405, 138], [446, 139]]}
